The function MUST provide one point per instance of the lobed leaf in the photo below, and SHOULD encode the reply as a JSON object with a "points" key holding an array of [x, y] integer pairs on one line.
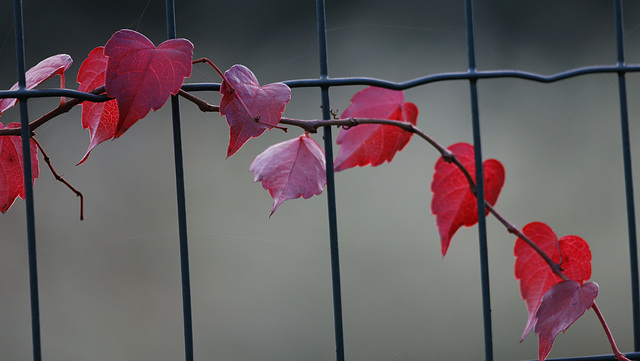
{"points": [[291, 169], [100, 118], [374, 143], [141, 77], [561, 306], [240, 88], [453, 204]]}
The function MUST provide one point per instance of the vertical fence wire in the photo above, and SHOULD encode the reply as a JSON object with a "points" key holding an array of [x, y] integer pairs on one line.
{"points": [[628, 177], [482, 228], [331, 193], [182, 203], [28, 184]]}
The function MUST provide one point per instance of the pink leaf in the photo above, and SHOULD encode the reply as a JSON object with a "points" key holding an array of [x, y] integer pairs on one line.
{"points": [[53, 65], [453, 203], [266, 103], [561, 306], [12, 169], [100, 118], [291, 169], [374, 143], [141, 77]]}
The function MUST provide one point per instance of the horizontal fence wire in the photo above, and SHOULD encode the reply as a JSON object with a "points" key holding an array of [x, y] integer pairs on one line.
{"points": [[631, 356], [324, 83]]}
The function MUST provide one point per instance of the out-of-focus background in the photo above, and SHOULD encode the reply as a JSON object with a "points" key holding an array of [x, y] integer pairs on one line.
{"points": [[110, 285]]}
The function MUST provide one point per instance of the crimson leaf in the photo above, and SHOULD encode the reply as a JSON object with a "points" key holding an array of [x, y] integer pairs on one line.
{"points": [[100, 118], [141, 77], [11, 168], [264, 105], [291, 169], [374, 143], [453, 203]]}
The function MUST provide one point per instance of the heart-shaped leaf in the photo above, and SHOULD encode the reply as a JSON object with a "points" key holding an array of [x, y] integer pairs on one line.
{"points": [[374, 143], [291, 169], [53, 65], [264, 105], [535, 276], [561, 306], [141, 77], [12, 169], [453, 203], [100, 118]]}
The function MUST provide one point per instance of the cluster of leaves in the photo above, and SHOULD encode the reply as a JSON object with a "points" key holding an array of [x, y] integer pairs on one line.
{"points": [[137, 77]]}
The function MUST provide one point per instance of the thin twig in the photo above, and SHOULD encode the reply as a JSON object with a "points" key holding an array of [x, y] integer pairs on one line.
{"points": [[59, 178]]}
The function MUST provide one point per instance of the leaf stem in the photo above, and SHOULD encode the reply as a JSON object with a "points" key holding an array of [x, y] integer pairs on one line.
{"points": [[616, 352], [60, 179], [206, 60]]}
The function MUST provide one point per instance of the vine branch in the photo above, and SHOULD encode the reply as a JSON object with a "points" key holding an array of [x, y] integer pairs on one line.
{"points": [[312, 126]]}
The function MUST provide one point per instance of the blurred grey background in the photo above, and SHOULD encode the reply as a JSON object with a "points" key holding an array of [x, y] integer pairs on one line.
{"points": [[110, 285]]}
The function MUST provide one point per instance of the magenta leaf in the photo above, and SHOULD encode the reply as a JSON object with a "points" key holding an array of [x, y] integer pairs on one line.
{"points": [[265, 103], [561, 306], [291, 169], [141, 77], [100, 118], [53, 65]]}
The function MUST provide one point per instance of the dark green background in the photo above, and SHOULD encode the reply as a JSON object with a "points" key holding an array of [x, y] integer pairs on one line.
{"points": [[110, 285]]}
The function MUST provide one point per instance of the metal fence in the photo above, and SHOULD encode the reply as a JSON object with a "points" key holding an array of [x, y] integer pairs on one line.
{"points": [[324, 83]]}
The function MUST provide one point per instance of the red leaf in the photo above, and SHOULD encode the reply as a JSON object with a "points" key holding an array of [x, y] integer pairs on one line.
{"points": [[53, 65], [374, 143], [561, 306], [453, 203], [535, 276], [100, 118], [141, 77], [11, 168], [291, 169], [266, 102]]}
